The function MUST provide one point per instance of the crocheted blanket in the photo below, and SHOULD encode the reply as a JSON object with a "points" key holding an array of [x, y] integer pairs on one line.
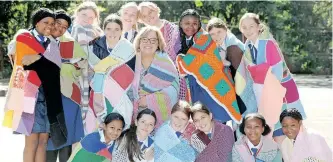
{"points": [[203, 62]]}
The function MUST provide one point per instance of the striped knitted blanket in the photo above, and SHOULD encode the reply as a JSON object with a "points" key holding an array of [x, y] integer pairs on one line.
{"points": [[83, 35], [24, 84], [222, 135], [169, 147], [203, 62], [171, 36], [160, 85], [112, 80]]}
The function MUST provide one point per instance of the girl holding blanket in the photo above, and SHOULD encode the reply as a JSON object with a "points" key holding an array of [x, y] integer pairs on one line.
{"points": [[85, 29], [212, 140], [137, 145], [73, 60], [35, 83], [156, 80], [299, 143], [113, 64], [150, 16], [172, 139], [200, 63], [230, 48], [100, 146], [254, 145], [274, 88]]}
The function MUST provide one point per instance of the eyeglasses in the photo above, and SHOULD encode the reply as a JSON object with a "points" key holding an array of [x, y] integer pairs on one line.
{"points": [[150, 40]]}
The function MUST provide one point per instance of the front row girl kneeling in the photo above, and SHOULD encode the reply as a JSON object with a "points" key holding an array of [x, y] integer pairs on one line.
{"points": [[110, 143], [203, 140]]}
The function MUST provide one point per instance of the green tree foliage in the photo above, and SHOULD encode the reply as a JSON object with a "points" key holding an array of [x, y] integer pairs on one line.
{"points": [[303, 29]]}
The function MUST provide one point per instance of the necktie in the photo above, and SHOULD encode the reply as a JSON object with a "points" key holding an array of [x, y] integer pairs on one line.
{"points": [[209, 135], [253, 51], [126, 34], [254, 151], [143, 147], [188, 41], [178, 134]]}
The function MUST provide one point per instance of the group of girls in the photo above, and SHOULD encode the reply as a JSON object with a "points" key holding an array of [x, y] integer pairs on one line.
{"points": [[118, 93]]}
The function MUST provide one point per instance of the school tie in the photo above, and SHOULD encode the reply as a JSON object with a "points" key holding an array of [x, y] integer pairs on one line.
{"points": [[178, 134], [209, 135], [126, 34], [188, 41], [253, 51], [254, 151], [143, 147]]}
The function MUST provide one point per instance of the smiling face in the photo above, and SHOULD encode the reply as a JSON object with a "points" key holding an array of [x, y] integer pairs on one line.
{"points": [[253, 130], [86, 17], [112, 130], [250, 29], [179, 121], [45, 26], [149, 43], [218, 35], [203, 121], [112, 31], [60, 27], [129, 16], [291, 127], [149, 16], [145, 125], [190, 25]]}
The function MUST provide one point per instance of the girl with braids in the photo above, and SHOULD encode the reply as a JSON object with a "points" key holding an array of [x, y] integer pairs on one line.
{"points": [[264, 80], [100, 146], [149, 15], [136, 144], [199, 61], [301, 144], [254, 145]]}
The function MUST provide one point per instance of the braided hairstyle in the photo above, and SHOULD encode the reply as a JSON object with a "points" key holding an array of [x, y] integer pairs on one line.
{"points": [[291, 112], [188, 12]]}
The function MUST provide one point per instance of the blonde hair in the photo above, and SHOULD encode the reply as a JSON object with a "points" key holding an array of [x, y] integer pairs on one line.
{"points": [[127, 5], [149, 5], [144, 32], [89, 5], [253, 16]]}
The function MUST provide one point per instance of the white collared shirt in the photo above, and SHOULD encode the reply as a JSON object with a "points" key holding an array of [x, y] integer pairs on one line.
{"points": [[256, 44], [35, 33], [252, 146], [101, 134]]}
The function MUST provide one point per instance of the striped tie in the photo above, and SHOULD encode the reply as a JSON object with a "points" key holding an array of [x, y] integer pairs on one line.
{"points": [[253, 51]]}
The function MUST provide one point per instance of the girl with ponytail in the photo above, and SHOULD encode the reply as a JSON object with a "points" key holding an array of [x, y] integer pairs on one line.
{"points": [[255, 145]]}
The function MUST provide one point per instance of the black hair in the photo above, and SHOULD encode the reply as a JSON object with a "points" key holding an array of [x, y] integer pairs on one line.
{"points": [[61, 14], [189, 12], [40, 14], [132, 145], [112, 18], [291, 112], [267, 129], [114, 116]]}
